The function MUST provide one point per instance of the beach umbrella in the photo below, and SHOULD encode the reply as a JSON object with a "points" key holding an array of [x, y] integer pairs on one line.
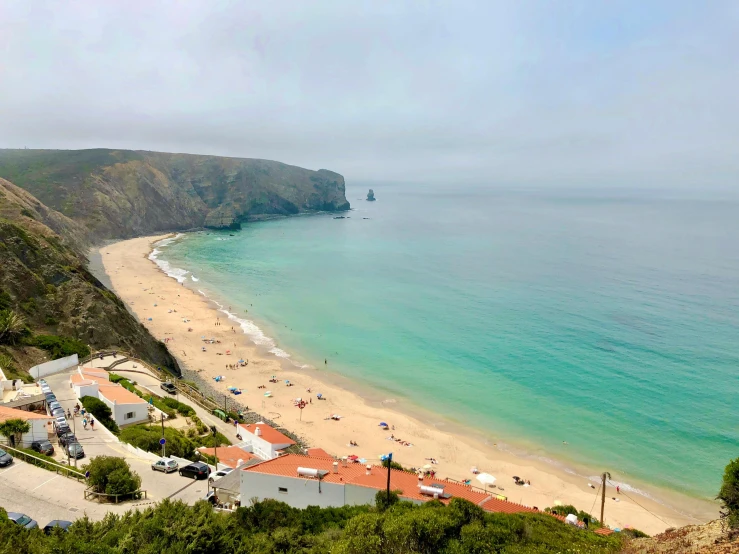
{"points": [[557, 502], [486, 478], [383, 424]]}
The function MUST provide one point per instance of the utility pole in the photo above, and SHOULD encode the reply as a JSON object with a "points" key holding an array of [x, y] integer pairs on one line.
{"points": [[389, 461], [163, 446], [74, 430], [603, 498], [215, 444]]}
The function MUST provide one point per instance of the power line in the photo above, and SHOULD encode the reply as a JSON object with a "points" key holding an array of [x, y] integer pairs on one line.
{"points": [[642, 507]]}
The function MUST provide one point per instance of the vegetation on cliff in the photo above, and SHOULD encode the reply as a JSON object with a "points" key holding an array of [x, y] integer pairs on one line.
{"points": [[50, 304], [124, 193]]}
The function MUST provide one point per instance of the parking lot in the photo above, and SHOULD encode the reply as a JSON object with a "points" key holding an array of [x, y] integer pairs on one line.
{"points": [[44, 495]]}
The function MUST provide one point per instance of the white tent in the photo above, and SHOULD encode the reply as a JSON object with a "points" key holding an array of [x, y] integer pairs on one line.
{"points": [[486, 479], [571, 519]]}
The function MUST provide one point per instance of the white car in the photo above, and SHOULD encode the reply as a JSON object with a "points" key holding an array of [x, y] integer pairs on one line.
{"points": [[218, 474], [167, 465]]}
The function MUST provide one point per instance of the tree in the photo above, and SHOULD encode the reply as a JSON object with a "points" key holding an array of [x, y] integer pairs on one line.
{"points": [[729, 494], [96, 407], [14, 429], [112, 475], [12, 327]]}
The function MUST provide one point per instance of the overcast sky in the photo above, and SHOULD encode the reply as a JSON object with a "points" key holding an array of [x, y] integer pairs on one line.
{"points": [[514, 93]]}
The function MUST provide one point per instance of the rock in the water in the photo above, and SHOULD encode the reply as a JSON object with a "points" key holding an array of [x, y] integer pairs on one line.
{"points": [[371, 195]]}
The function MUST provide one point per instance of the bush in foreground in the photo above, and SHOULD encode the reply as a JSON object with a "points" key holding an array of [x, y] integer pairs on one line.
{"points": [[729, 494], [272, 526], [112, 475]]}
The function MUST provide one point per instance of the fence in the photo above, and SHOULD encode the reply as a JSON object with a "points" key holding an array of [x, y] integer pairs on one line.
{"points": [[136, 495], [54, 366], [46, 464]]}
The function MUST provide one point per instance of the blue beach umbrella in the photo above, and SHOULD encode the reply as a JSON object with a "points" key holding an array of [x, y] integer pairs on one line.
{"points": [[383, 424]]}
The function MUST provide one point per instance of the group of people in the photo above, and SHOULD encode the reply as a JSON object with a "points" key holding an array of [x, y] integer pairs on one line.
{"points": [[400, 441], [80, 410], [234, 366]]}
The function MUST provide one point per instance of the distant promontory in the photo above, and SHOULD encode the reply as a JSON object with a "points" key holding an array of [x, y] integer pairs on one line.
{"points": [[125, 193]]}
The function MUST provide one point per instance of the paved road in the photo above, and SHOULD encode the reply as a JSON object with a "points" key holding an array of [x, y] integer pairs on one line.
{"points": [[101, 442]]}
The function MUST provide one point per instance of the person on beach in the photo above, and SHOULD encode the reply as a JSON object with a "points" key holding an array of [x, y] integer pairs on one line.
{"points": [[618, 489]]}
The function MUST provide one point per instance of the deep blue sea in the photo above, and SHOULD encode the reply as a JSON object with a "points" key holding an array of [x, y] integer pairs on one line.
{"points": [[609, 320]]}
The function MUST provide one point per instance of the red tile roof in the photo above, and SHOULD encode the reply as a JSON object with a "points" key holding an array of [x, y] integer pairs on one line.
{"points": [[12, 413], [269, 434], [229, 455], [119, 395], [318, 453], [405, 481], [605, 531]]}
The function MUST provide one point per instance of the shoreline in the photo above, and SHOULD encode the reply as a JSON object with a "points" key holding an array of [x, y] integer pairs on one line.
{"points": [[457, 447]]}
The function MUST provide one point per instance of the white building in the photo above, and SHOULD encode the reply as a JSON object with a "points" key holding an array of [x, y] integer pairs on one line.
{"points": [[302, 481], [263, 440], [40, 424], [126, 407]]}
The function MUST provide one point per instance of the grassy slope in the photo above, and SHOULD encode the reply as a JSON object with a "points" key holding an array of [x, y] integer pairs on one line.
{"points": [[48, 283]]}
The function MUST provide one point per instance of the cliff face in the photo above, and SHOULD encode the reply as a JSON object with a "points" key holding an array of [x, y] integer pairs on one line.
{"points": [[45, 279], [124, 193]]}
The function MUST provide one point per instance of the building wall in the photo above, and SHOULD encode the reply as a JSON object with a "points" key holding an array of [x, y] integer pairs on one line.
{"points": [[301, 493], [140, 410], [54, 366], [85, 390], [38, 431], [260, 447]]}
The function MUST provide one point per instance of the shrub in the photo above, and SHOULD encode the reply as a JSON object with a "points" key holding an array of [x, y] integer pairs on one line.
{"points": [[147, 438], [729, 494], [6, 301], [112, 475], [383, 501], [59, 347], [182, 409], [12, 327], [101, 412]]}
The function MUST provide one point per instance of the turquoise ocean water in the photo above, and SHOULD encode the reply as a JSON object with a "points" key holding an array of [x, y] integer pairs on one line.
{"points": [[610, 321]]}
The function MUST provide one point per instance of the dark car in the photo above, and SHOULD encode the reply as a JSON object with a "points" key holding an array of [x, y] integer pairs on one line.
{"points": [[196, 470], [5, 458], [62, 429], [43, 447], [75, 450], [62, 524], [22, 520], [67, 438], [169, 387], [50, 397]]}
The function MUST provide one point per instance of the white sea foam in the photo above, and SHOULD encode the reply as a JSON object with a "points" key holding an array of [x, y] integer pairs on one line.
{"points": [[174, 272], [194, 278]]}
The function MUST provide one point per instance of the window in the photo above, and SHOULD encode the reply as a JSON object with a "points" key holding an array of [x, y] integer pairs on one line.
{"points": [[282, 490], [130, 415]]}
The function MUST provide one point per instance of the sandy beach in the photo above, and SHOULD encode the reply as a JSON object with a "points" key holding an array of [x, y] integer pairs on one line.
{"points": [[169, 309]]}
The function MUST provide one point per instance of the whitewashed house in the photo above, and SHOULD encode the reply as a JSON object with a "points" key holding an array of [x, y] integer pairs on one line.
{"points": [[263, 440], [40, 424]]}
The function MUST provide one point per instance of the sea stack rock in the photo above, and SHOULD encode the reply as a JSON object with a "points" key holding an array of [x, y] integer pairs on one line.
{"points": [[371, 196]]}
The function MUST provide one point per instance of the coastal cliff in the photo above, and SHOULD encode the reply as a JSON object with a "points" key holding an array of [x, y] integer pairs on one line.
{"points": [[125, 193], [45, 283]]}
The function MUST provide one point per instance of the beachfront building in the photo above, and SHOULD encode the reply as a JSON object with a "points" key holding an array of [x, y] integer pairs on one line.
{"points": [[302, 481], [14, 393], [126, 407], [230, 456], [40, 424], [264, 441]]}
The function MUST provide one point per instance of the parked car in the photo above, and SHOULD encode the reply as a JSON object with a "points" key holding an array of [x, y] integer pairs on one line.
{"points": [[59, 412], [41, 381], [75, 450], [54, 404], [61, 421], [196, 470], [61, 429], [43, 447], [169, 387], [218, 474], [167, 465], [46, 388], [67, 438], [22, 520], [50, 396], [62, 524], [5, 458]]}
